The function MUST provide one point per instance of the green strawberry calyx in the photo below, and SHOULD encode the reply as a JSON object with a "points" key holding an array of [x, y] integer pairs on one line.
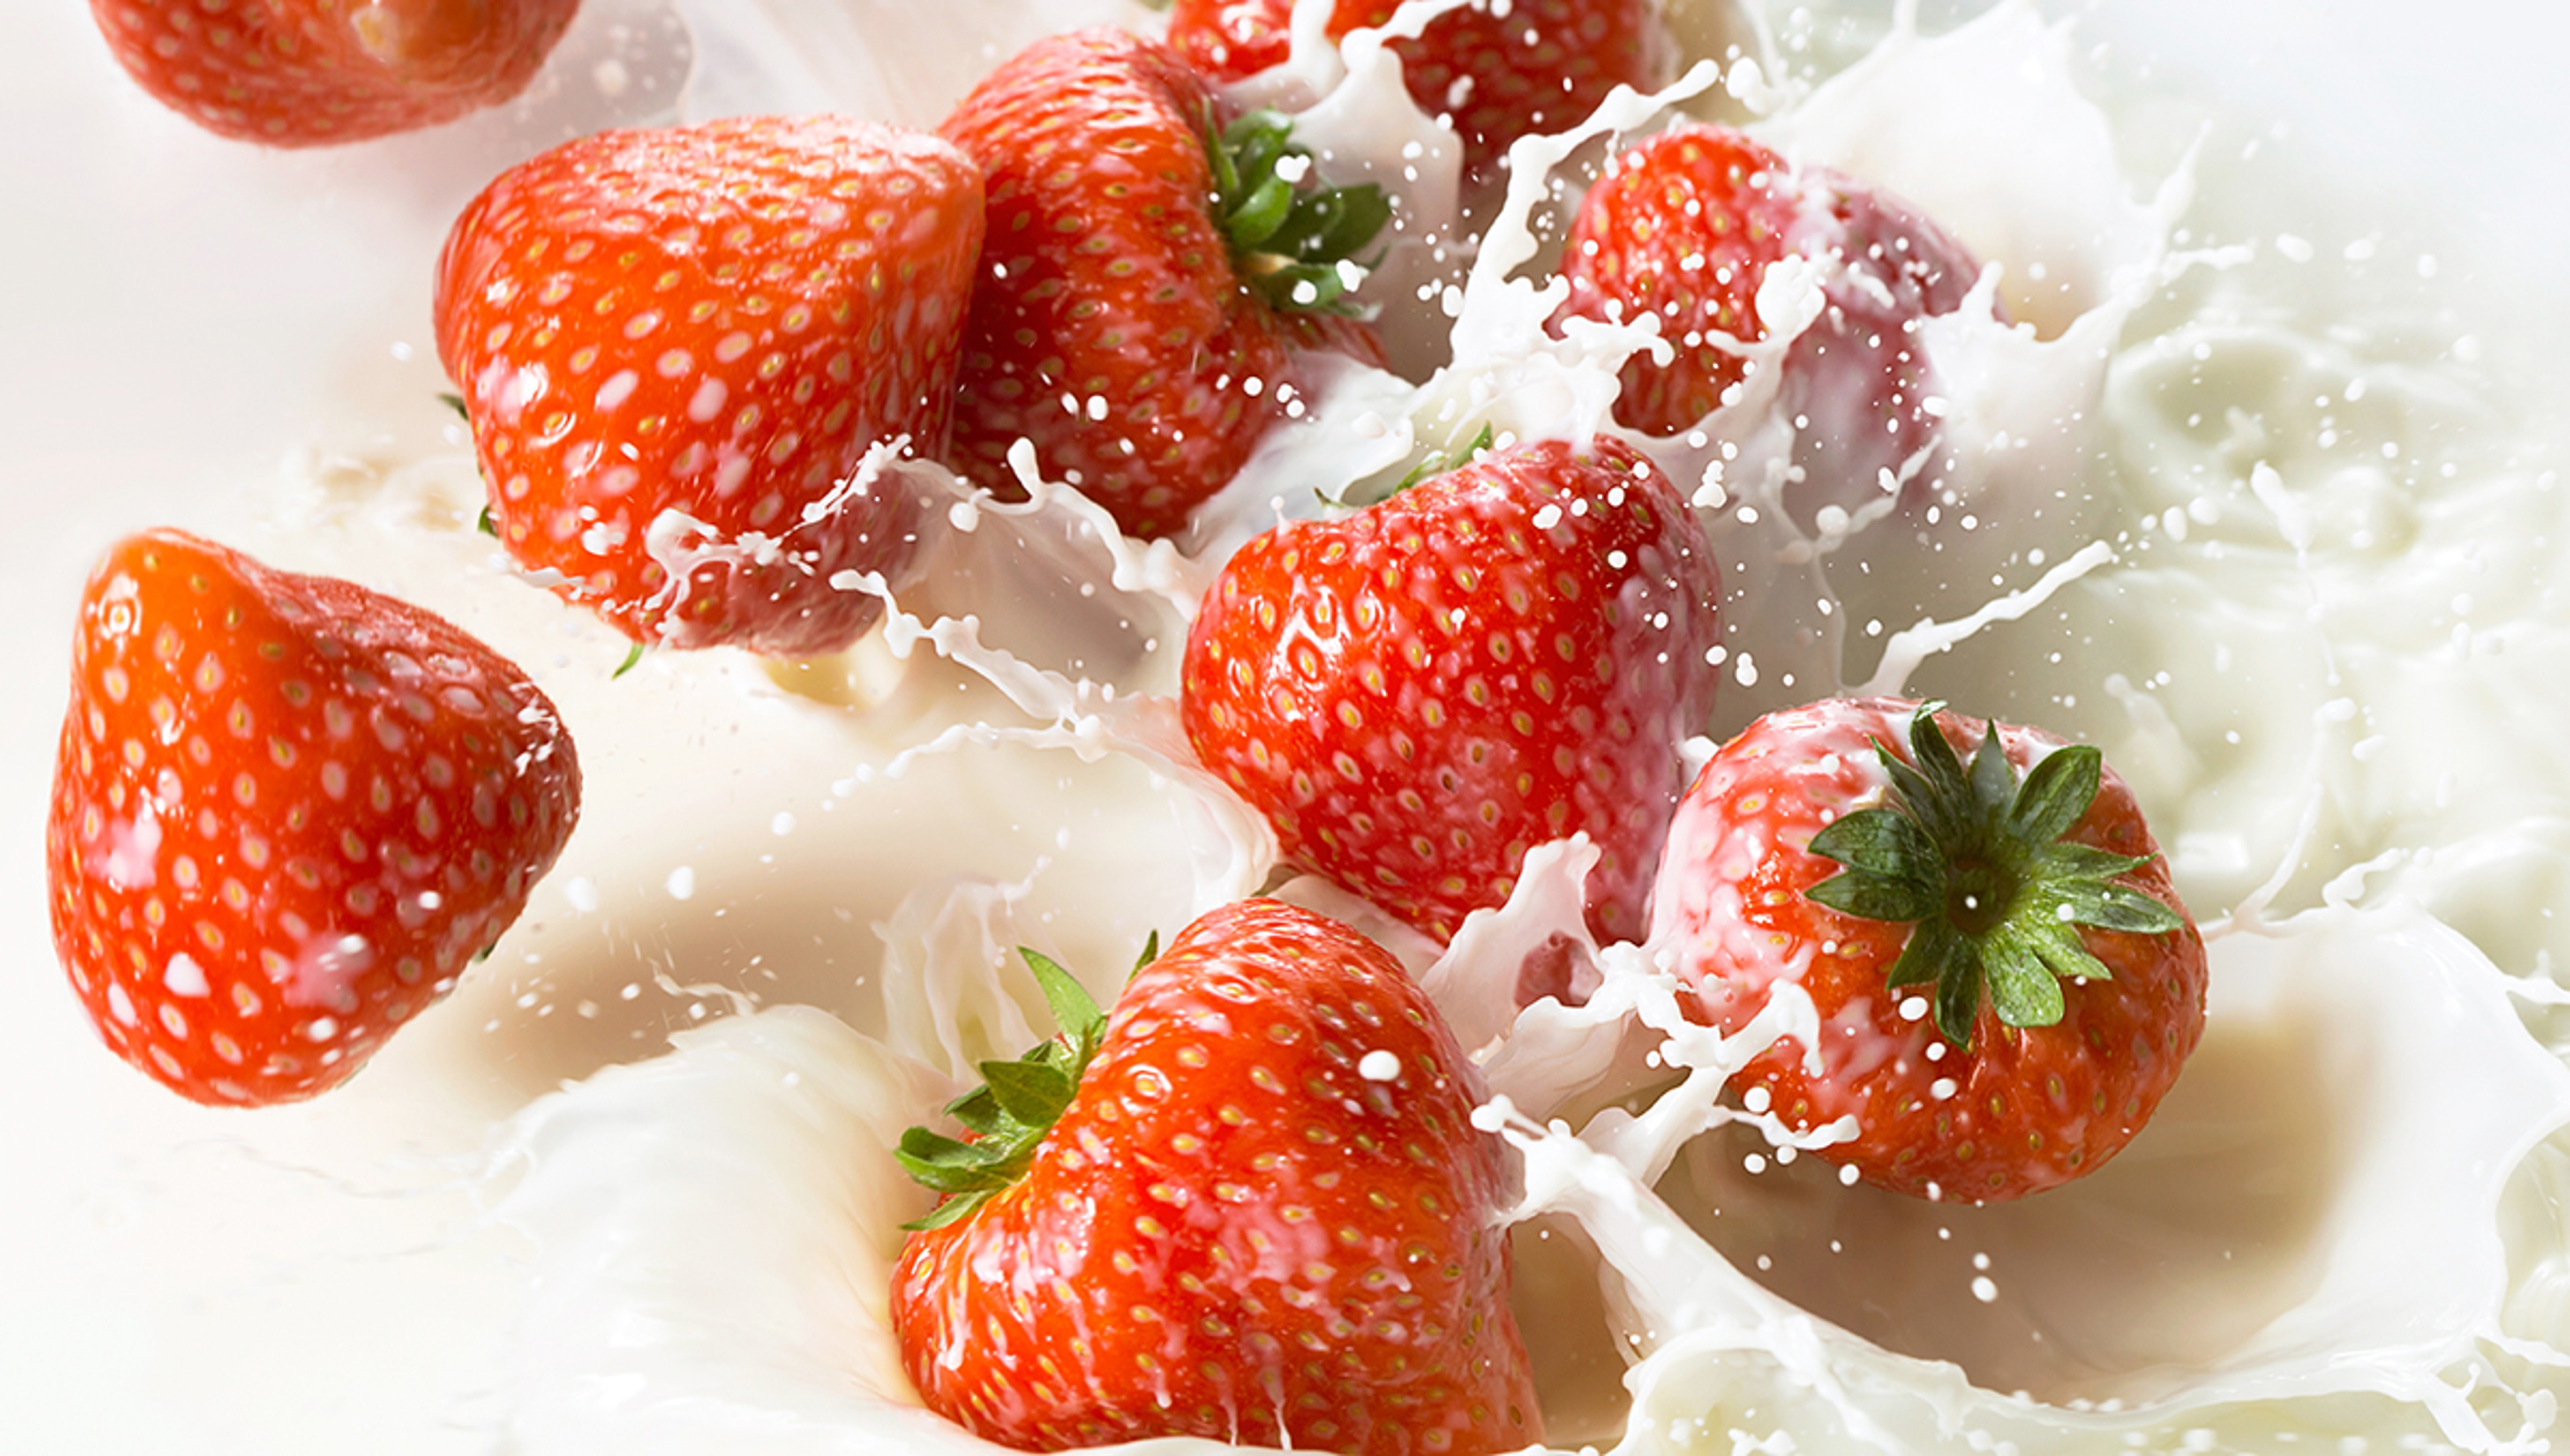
{"points": [[1976, 860], [1294, 240], [1017, 1104]]}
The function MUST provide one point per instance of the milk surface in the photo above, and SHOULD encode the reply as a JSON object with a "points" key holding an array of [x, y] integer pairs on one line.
{"points": [[2264, 501]]}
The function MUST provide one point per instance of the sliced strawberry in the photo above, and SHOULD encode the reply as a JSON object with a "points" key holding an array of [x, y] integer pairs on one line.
{"points": [[676, 346], [1685, 227], [1143, 259], [288, 813], [307, 73], [2006, 984], [1498, 69], [1261, 1215], [1505, 655]]}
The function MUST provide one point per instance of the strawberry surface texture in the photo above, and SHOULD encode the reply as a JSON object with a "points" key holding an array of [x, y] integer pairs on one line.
{"points": [[1685, 227], [1497, 70], [1495, 658], [678, 347], [288, 813], [2006, 983], [1120, 325], [1264, 1218], [306, 73]]}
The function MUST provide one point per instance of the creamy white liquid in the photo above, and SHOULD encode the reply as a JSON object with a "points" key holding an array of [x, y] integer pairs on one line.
{"points": [[2330, 670]]}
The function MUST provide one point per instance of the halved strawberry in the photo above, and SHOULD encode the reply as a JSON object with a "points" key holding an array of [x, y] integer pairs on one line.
{"points": [[2006, 984], [1146, 261], [1259, 1215], [1501, 656], [307, 73], [677, 347], [288, 813]]}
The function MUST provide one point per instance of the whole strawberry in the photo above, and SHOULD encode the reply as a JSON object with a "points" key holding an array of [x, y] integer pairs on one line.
{"points": [[1685, 227], [676, 346], [1500, 69], [288, 813], [1261, 1215], [307, 73], [1505, 655], [1139, 307], [2006, 984]]}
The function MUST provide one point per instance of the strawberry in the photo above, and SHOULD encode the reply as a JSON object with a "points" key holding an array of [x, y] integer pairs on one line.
{"points": [[1498, 69], [1686, 226], [1505, 655], [2059, 983], [1135, 314], [308, 73], [286, 812], [1260, 1214], [676, 346]]}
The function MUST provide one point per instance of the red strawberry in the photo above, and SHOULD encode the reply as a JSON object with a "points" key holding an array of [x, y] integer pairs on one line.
{"points": [[1686, 226], [288, 811], [1501, 71], [1131, 319], [1506, 656], [716, 321], [307, 73], [1261, 1215], [2058, 983]]}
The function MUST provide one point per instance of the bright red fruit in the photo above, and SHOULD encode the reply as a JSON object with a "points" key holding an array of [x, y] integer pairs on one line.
{"points": [[676, 346], [287, 812], [1501, 656], [1685, 227], [1136, 319], [2006, 984], [1261, 1215], [307, 73], [1500, 71]]}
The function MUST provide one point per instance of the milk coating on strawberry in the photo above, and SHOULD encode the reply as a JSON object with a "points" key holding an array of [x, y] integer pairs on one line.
{"points": [[306, 73], [678, 347], [288, 813], [1495, 658], [2006, 984], [1497, 69], [1685, 226], [1259, 1215]]}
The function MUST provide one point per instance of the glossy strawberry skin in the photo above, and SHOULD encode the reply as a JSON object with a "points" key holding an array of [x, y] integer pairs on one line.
{"points": [[720, 321], [1267, 1201], [288, 813], [1498, 657], [307, 73], [1540, 67], [1110, 326], [1686, 226], [2021, 1109]]}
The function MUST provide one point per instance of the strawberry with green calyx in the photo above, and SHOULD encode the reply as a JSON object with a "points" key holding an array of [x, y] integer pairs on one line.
{"points": [[1977, 860], [1016, 1105], [307, 73], [1505, 654], [287, 812], [1148, 275], [2006, 984], [1252, 1207]]}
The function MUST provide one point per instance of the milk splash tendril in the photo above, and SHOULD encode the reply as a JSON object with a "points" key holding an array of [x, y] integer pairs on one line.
{"points": [[2345, 1223]]}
